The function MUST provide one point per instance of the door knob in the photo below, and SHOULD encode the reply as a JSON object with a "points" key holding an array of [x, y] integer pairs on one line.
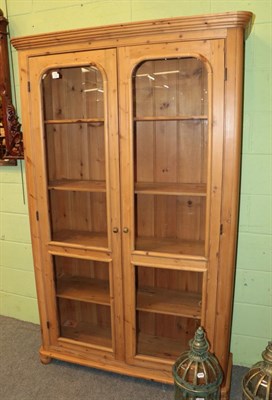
{"points": [[115, 229], [125, 230]]}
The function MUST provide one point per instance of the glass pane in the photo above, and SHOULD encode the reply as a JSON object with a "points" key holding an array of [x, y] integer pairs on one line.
{"points": [[85, 322], [168, 310], [170, 87], [84, 280], [170, 224], [79, 217], [73, 101], [170, 155], [83, 298], [163, 336], [75, 151], [73, 93], [171, 151]]}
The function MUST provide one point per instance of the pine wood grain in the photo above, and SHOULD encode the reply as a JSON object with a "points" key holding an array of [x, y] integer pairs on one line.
{"points": [[77, 185], [84, 289], [134, 166], [170, 302]]}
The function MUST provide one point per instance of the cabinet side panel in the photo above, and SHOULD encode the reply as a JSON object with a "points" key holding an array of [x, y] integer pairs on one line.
{"points": [[32, 193], [230, 196]]}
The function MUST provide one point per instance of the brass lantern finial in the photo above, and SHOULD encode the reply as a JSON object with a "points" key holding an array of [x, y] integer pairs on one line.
{"points": [[257, 382], [197, 373], [199, 344]]}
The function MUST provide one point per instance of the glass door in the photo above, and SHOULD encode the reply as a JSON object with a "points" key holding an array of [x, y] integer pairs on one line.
{"points": [[167, 242], [79, 199]]}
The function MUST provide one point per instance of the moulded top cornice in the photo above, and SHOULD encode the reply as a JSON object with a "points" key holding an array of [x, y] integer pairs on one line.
{"points": [[236, 19]]}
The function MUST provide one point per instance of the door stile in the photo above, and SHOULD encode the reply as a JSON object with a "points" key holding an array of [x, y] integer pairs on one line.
{"points": [[39, 166], [114, 213], [126, 181]]}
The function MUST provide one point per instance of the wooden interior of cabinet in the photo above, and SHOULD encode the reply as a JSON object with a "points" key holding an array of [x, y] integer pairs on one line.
{"points": [[11, 143]]}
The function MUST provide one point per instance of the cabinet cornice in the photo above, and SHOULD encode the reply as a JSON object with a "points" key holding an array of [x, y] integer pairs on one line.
{"points": [[226, 20]]}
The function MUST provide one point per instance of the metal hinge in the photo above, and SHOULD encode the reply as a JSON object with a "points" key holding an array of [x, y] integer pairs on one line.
{"points": [[48, 324], [226, 74], [37, 216], [28, 86]]}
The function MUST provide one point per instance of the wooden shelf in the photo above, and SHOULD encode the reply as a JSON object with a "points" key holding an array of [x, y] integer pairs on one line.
{"points": [[80, 238], [78, 185], [174, 189], [87, 333], [75, 121], [162, 347], [170, 245], [172, 118], [170, 302], [84, 289]]}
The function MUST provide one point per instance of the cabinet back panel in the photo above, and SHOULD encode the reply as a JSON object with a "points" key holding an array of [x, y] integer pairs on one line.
{"points": [[171, 151], [191, 151], [70, 267], [163, 335], [169, 279], [78, 211], [75, 151], [181, 217], [85, 322]]}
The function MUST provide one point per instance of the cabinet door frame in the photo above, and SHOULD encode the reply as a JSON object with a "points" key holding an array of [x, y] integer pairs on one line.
{"points": [[44, 247], [212, 54]]}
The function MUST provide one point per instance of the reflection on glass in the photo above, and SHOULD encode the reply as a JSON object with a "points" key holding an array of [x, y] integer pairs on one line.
{"points": [[73, 93], [170, 87]]}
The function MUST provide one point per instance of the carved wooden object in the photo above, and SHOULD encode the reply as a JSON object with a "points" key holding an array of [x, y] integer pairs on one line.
{"points": [[11, 143]]}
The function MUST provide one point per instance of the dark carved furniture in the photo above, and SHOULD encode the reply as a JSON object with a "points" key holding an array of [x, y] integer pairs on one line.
{"points": [[11, 144]]}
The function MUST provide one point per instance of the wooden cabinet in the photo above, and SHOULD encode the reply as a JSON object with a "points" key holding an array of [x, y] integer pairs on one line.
{"points": [[132, 136]]}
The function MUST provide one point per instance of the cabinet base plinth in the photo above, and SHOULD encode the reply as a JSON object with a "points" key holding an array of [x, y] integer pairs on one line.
{"points": [[120, 367]]}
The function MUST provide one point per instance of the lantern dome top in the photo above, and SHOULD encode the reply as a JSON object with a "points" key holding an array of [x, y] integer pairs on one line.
{"points": [[197, 370], [257, 382]]}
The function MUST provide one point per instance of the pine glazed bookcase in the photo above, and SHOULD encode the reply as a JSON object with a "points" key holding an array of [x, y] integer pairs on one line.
{"points": [[132, 139]]}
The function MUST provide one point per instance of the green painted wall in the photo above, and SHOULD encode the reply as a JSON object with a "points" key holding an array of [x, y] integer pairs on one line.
{"points": [[252, 321]]}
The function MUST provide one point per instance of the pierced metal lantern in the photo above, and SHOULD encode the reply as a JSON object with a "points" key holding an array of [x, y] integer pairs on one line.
{"points": [[197, 374], [257, 382]]}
